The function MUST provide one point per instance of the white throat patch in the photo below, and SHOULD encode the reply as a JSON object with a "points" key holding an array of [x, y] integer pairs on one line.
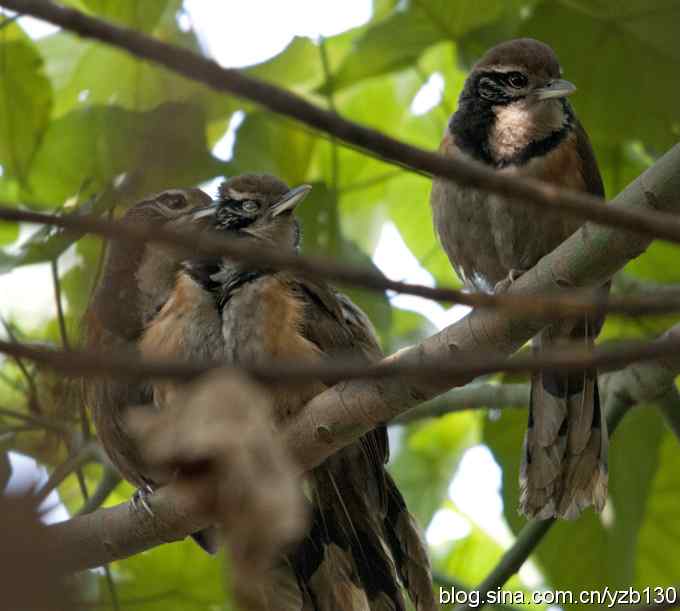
{"points": [[522, 122]]}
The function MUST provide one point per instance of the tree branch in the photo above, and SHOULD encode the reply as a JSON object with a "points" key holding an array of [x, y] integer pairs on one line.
{"points": [[549, 306], [473, 396], [463, 171], [640, 383], [118, 532], [590, 257]]}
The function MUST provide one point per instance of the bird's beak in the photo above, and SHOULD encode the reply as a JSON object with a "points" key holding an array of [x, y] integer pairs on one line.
{"points": [[291, 199], [204, 211], [557, 88]]}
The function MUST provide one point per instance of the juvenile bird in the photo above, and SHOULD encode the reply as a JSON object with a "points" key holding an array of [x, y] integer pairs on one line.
{"points": [[513, 115], [362, 546]]}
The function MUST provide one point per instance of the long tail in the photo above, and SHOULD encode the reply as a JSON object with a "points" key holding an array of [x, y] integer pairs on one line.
{"points": [[364, 548], [408, 550], [564, 462]]}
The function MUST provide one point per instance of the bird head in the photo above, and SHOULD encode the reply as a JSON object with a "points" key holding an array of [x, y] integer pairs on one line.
{"points": [[517, 70], [258, 206], [136, 278], [514, 96]]}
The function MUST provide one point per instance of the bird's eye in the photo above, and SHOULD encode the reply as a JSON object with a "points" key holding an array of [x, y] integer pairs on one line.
{"points": [[174, 201], [517, 80], [250, 206]]}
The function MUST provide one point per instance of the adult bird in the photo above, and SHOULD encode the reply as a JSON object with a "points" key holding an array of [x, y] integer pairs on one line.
{"points": [[513, 115], [363, 547]]}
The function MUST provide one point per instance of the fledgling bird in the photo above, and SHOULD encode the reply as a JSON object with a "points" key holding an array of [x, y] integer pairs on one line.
{"points": [[513, 115], [362, 546]]}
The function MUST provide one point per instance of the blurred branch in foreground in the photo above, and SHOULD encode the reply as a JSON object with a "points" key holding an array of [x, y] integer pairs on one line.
{"points": [[468, 173], [582, 302]]}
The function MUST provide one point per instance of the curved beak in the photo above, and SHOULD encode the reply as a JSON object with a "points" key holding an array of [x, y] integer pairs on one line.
{"points": [[557, 88], [291, 199]]}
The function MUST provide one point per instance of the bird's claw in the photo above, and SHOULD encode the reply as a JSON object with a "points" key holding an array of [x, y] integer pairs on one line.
{"points": [[507, 282], [139, 499]]}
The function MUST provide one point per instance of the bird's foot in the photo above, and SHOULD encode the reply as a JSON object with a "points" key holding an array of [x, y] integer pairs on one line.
{"points": [[139, 499], [508, 281]]}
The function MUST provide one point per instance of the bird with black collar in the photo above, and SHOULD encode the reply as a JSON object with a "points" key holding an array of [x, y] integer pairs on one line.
{"points": [[513, 115]]}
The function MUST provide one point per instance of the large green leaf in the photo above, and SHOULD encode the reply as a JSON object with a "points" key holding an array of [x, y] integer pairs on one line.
{"points": [[165, 148], [82, 76], [132, 13], [656, 563], [25, 101]]}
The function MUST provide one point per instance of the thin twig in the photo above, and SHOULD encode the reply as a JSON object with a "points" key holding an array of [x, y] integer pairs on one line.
{"points": [[543, 306], [33, 403], [608, 357], [107, 484], [54, 266], [36, 419], [520, 191], [86, 454]]}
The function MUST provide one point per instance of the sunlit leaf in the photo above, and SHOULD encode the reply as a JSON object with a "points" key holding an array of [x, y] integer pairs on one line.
{"points": [[25, 101]]}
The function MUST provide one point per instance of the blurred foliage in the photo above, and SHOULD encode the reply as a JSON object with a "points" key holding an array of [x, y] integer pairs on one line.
{"points": [[87, 128]]}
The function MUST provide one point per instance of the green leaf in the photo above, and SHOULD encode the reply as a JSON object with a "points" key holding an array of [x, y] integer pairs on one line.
{"points": [[8, 233], [267, 144], [143, 16], [471, 558], [413, 217], [81, 74], [25, 101], [298, 66], [592, 551], [627, 37], [660, 529], [401, 38], [165, 148], [427, 460]]}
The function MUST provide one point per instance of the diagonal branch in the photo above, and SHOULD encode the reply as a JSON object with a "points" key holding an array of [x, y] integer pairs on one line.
{"points": [[117, 532], [591, 256], [463, 171]]}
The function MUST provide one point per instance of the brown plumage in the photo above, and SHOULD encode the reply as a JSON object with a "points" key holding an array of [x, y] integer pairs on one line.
{"points": [[513, 115], [362, 545]]}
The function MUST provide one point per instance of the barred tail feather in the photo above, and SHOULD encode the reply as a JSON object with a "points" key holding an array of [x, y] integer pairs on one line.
{"points": [[408, 550], [564, 462]]}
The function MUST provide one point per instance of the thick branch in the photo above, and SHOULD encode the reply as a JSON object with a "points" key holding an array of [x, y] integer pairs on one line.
{"points": [[589, 257], [114, 533], [117, 532], [463, 171]]}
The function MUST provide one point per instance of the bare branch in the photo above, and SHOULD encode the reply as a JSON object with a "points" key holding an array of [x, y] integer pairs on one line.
{"points": [[545, 306], [624, 389], [473, 396], [607, 357], [117, 532]]}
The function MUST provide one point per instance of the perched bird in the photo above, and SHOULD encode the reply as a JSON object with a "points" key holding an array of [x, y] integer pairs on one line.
{"points": [[362, 547], [513, 115], [135, 283]]}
